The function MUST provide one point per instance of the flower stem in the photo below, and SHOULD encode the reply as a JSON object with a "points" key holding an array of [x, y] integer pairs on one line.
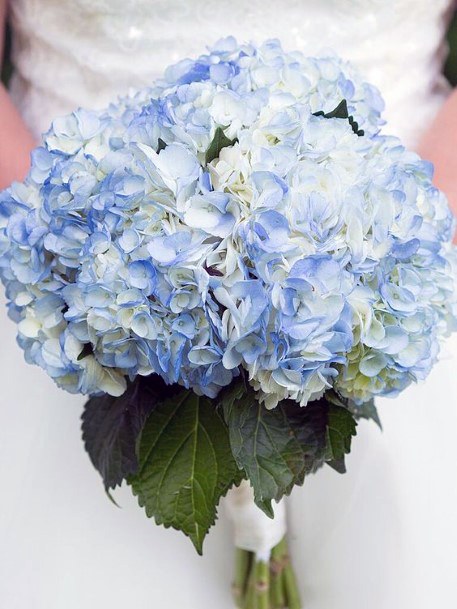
{"points": [[242, 567], [262, 584], [290, 584], [277, 596], [251, 595], [290, 581], [258, 584]]}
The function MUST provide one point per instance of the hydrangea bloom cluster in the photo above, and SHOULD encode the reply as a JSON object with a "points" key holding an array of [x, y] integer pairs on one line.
{"points": [[215, 223]]}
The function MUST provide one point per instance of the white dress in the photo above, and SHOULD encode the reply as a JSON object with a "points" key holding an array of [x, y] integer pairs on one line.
{"points": [[382, 537]]}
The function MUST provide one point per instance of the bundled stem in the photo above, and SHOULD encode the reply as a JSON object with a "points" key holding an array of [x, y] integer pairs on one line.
{"points": [[242, 570], [265, 585]]}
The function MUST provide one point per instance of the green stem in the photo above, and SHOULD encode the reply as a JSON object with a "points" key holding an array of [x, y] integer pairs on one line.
{"points": [[262, 584], [250, 601], [280, 551], [242, 565], [290, 584], [265, 585], [284, 591], [277, 597]]}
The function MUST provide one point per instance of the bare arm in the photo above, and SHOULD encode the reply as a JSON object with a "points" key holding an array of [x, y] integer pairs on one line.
{"points": [[16, 142], [439, 145]]}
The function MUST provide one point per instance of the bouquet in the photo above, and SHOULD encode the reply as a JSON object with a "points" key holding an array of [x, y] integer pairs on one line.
{"points": [[232, 264]]}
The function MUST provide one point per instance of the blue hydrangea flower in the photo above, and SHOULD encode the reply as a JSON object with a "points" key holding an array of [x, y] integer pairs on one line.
{"points": [[303, 253]]}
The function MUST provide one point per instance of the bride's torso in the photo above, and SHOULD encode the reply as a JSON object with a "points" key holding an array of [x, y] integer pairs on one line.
{"points": [[85, 52]]}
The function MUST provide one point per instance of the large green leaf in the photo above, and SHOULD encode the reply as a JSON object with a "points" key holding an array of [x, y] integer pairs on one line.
{"points": [[111, 426], [186, 465], [277, 448], [263, 444]]}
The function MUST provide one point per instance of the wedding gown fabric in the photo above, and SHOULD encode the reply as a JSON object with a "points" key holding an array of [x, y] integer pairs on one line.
{"points": [[384, 536]]}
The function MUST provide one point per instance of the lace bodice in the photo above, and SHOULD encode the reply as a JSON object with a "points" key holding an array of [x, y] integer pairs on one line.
{"points": [[85, 52]]}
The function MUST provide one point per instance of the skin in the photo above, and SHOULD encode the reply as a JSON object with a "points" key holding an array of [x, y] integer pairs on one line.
{"points": [[439, 146], [16, 142]]}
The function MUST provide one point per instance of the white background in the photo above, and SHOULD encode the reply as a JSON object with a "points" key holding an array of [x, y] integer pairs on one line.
{"points": [[383, 536]]}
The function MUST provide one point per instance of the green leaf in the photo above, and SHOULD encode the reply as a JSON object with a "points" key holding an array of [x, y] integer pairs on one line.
{"points": [[110, 427], [341, 111], [186, 465], [219, 142], [277, 448], [367, 410], [338, 465], [341, 426], [262, 445], [161, 145]]}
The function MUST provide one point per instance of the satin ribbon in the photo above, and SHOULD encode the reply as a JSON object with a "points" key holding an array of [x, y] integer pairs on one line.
{"points": [[254, 530]]}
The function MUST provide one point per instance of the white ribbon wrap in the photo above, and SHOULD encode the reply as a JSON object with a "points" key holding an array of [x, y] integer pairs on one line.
{"points": [[254, 531]]}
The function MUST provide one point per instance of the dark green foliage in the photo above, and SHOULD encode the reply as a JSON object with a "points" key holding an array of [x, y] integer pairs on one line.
{"points": [[161, 145], [341, 111], [111, 426], [277, 448], [186, 465], [181, 453]]}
